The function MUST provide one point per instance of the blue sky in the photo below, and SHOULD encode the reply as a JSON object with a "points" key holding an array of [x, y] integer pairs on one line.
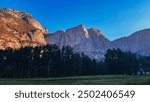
{"points": [[116, 18]]}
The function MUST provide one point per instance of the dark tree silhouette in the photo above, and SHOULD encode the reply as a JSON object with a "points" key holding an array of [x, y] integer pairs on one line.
{"points": [[51, 61]]}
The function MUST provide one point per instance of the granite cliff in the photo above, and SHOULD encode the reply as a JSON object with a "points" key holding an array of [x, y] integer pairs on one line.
{"points": [[90, 41], [19, 29]]}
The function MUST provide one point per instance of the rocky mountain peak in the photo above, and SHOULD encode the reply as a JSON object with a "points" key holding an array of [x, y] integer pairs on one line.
{"points": [[79, 30], [81, 27], [19, 29], [97, 32], [14, 12], [81, 39], [26, 17]]}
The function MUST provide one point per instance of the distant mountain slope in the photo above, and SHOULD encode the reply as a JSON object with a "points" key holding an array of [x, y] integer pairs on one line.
{"points": [[19, 29], [138, 42]]}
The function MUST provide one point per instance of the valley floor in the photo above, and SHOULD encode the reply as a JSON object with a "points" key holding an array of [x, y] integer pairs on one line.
{"points": [[82, 80]]}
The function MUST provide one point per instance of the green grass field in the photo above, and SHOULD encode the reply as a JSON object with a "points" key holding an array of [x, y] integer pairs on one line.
{"points": [[82, 80]]}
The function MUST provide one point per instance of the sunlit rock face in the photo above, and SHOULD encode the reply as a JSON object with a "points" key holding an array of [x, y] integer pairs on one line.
{"points": [[19, 29], [90, 41]]}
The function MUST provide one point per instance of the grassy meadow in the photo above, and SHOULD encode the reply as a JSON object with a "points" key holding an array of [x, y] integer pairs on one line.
{"points": [[82, 80]]}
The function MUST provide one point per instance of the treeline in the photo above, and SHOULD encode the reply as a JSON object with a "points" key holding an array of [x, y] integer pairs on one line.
{"points": [[50, 61], [45, 61]]}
